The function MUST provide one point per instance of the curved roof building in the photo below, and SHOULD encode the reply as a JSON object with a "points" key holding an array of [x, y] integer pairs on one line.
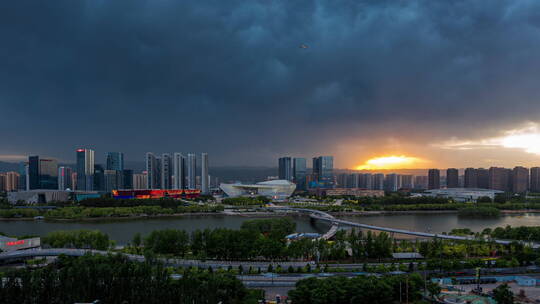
{"points": [[274, 189], [463, 194]]}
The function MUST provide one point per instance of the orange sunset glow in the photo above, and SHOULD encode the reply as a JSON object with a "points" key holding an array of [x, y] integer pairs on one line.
{"points": [[391, 162]]}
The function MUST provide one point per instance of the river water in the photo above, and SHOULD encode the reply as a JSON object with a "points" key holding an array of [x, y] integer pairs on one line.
{"points": [[122, 231]]}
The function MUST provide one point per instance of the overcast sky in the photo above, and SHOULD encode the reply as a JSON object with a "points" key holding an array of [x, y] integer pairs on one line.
{"points": [[443, 81]]}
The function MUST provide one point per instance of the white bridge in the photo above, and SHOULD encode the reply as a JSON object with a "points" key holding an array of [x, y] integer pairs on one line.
{"points": [[323, 216]]}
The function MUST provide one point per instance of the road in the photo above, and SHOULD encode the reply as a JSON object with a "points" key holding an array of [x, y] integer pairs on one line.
{"points": [[30, 253]]}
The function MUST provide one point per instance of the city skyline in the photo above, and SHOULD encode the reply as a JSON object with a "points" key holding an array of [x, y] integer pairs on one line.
{"points": [[371, 80], [270, 151]]}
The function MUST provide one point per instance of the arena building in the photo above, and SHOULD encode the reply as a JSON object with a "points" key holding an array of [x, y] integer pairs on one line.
{"points": [[276, 189]]}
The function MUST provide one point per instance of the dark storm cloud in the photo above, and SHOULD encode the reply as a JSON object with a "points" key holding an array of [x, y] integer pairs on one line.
{"points": [[229, 77]]}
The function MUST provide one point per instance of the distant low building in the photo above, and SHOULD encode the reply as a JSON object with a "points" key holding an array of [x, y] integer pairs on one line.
{"points": [[8, 244], [357, 192], [277, 189], [407, 255], [463, 194], [44, 196]]}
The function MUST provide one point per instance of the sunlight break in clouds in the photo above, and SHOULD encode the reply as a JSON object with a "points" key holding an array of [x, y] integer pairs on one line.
{"points": [[526, 139], [391, 162]]}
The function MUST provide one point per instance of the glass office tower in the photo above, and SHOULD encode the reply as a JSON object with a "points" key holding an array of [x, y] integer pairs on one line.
{"points": [[115, 161], [85, 169]]}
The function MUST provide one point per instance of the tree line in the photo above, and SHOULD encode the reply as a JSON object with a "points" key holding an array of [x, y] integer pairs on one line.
{"points": [[246, 201], [113, 202], [115, 279], [81, 239], [76, 212], [262, 239], [265, 239], [514, 233], [479, 211], [362, 289]]}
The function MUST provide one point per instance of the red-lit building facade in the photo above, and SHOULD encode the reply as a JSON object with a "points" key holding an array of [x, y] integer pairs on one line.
{"points": [[155, 194]]}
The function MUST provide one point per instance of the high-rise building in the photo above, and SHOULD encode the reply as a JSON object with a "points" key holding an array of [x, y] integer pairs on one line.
{"points": [[198, 182], [42, 173], [406, 181], [64, 178], [452, 178], [378, 181], [434, 179], [112, 180], [11, 181], [127, 179], [323, 170], [365, 181], [500, 179], [353, 180], [214, 182], [2, 182], [191, 171], [205, 189], [153, 176], [74, 180], [179, 171], [341, 180], [99, 178], [115, 161], [520, 180], [471, 178], [23, 169], [482, 178], [85, 169], [391, 182], [33, 172], [535, 179], [299, 172], [420, 182], [48, 173], [166, 171], [140, 181], [285, 170]]}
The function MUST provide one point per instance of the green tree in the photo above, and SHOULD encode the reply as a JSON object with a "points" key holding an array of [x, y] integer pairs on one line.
{"points": [[137, 240], [433, 289], [168, 241], [503, 295], [84, 239], [382, 246], [115, 279]]}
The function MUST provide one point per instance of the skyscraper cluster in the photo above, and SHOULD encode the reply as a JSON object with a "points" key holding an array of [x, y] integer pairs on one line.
{"points": [[379, 181], [295, 170], [169, 171], [176, 172], [516, 180]]}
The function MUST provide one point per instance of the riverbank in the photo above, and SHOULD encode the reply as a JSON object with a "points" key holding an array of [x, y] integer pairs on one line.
{"points": [[116, 218], [256, 214], [412, 212], [122, 229]]}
